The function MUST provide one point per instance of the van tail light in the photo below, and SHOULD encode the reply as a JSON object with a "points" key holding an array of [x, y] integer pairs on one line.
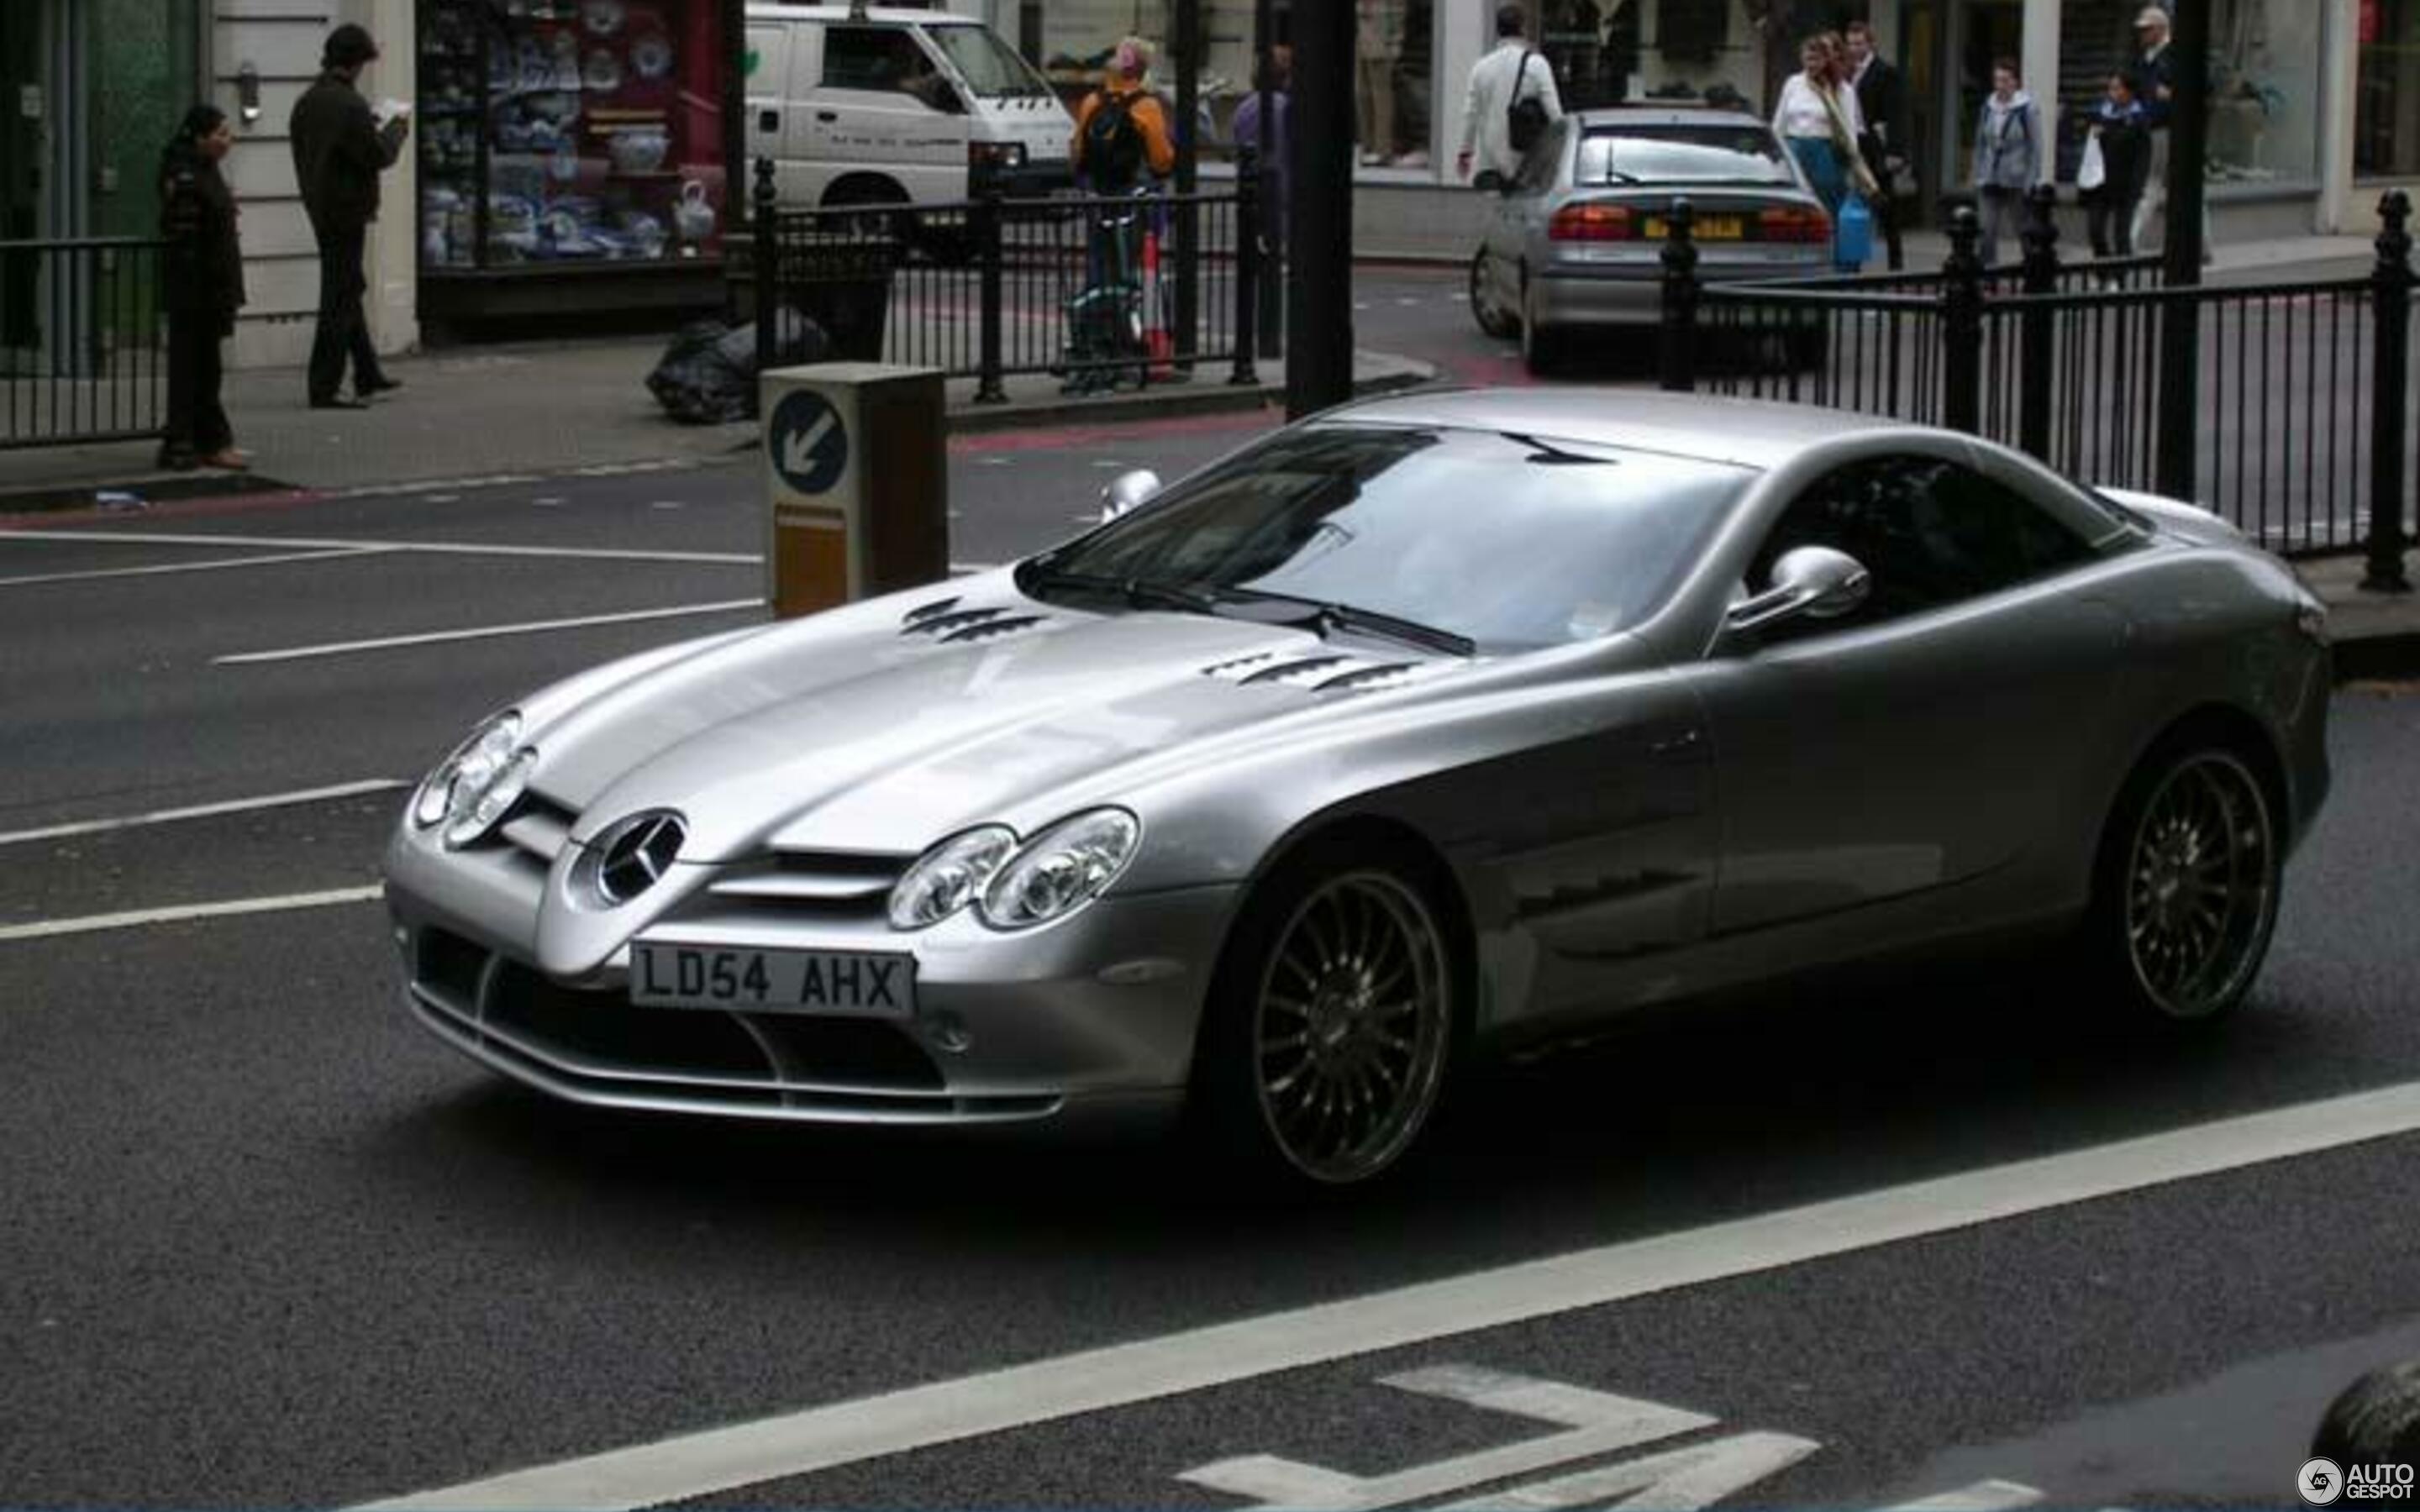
{"points": [[1587, 221], [1802, 225]]}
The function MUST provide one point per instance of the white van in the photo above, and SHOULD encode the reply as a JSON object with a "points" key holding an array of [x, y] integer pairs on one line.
{"points": [[859, 106]]}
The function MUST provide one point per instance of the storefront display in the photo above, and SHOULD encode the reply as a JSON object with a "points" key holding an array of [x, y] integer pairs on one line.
{"points": [[564, 135], [2386, 103]]}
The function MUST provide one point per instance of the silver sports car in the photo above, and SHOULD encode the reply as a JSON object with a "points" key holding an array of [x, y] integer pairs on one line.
{"points": [[1428, 725]]}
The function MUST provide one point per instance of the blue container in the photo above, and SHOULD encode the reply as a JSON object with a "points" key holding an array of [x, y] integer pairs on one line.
{"points": [[1852, 233]]}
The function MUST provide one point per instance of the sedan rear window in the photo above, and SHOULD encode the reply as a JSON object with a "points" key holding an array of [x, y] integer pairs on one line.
{"points": [[1511, 540], [1746, 153]]}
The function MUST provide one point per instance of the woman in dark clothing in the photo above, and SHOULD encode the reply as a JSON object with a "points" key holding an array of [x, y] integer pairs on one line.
{"points": [[205, 288]]}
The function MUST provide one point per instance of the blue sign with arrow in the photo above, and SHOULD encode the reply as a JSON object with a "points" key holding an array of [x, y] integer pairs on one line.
{"points": [[808, 443]]}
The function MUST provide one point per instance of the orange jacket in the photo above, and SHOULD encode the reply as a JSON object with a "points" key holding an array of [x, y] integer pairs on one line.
{"points": [[1160, 148]]}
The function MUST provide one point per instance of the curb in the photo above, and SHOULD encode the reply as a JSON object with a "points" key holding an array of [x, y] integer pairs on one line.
{"points": [[1200, 395]]}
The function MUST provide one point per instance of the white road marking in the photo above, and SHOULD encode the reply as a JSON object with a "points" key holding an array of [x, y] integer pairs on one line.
{"points": [[736, 559], [1983, 1496], [667, 503], [967, 569], [803, 1442], [444, 497], [205, 811], [549, 501], [195, 566], [1678, 1480], [92, 923], [1599, 1423], [347, 648]]}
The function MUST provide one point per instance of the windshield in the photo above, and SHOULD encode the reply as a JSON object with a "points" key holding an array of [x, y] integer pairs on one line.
{"points": [[1509, 541], [1746, 153], [990, 67]]}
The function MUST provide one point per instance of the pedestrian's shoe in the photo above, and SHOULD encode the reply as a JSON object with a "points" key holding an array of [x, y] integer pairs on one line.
{"points": [[376, 385], [177, 461], [229, 459], [332, 402]]}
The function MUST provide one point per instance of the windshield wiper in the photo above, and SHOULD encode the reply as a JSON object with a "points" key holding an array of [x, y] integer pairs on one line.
{"points": [[1140, 593], [1326, 618]]}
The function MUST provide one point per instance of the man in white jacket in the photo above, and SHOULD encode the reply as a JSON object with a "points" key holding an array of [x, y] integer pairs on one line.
{"points": [[1514, 72]]}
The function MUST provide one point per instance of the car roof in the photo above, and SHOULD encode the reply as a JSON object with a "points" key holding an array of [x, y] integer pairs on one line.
{"points": [[1609, 117], [1749, 433], [879, 15]]}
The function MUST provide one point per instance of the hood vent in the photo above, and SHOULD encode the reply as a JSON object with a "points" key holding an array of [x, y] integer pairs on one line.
{"points": [[943, 623], [1320, 673]]}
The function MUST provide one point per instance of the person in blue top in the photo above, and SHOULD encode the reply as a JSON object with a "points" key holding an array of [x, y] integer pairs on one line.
{"points": [[2007, 155]]}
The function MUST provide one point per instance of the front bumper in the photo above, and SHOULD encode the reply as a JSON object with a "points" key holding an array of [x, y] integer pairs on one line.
{"points": [[1095, 1011]]}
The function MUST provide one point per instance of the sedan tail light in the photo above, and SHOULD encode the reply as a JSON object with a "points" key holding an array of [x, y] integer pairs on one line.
{"points": [[1588, 221], [1807, 225]]}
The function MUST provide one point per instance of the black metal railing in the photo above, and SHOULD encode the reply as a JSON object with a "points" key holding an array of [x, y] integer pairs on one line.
{"points": [[2299, 412], [1085, 287], [84, 345]]}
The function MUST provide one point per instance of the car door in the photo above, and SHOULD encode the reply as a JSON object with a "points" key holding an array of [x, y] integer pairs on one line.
{"points": [[1919, 742], [869, 119]]}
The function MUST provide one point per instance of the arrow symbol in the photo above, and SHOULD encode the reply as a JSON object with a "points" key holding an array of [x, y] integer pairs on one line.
{"points": [[799, 452]]}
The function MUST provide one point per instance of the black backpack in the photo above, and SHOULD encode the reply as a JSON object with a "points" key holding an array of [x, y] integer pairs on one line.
{"points": [[1113, 146], [1525, 120]]}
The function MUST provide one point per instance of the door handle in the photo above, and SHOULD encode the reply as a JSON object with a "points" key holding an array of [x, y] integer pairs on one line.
{"points": [[1678, 744], [827, 115]]}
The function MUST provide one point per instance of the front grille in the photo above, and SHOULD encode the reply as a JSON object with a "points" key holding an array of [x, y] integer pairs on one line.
{"points": [[822, 885], [450, 966]]}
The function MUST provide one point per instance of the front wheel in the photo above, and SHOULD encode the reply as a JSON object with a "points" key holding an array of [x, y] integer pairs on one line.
{"points": [[1331, 1023], [2186, 895]]}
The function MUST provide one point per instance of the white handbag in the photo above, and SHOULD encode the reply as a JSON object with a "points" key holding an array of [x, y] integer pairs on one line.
{"points": [[2091, 173]]}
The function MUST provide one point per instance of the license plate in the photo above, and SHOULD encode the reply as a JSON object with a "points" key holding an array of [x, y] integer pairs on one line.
{"points": [[1704, 228], [664, 975]]}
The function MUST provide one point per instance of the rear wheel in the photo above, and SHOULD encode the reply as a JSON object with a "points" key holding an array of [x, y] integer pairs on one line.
{"points": [[1541, 347], [1331, 1022], [2189, 875]]}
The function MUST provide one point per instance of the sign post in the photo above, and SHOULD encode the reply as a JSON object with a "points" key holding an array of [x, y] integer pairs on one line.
{"points": [[856, 483]]}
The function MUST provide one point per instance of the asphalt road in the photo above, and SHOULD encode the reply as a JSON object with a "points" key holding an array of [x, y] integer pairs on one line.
{"points": [[266, 1244]]}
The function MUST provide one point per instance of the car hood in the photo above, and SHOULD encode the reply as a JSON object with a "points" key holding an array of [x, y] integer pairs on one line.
{"points": [[889, 725]]}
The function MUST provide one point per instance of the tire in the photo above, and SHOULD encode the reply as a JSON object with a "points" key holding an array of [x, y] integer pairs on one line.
{"points": [[2186, 886], [883, 201], [1331, 1024], [1500, 324], [1541, 349]]}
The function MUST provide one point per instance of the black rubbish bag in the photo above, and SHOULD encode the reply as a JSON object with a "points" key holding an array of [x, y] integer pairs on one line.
{"points": [[708, 376]]}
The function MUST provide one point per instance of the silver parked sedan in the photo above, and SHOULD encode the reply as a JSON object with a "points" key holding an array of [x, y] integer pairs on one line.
{"points": [[1576, 242], [1434, 723]]}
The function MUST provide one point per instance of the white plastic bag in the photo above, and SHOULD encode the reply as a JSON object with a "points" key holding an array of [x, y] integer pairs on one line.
{"points": [[2091, 173]]}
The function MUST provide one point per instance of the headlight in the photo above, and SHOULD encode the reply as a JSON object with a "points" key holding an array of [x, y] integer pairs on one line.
{"points": [[950, 876], [1064, 868], [474, 788]]}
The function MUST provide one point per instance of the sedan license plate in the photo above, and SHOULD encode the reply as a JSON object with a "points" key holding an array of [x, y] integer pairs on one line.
{"points": [[1704, 228], [664, 975]]}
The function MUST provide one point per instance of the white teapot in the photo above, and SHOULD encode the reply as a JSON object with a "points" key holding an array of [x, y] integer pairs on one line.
{"points": [[693, 216]]}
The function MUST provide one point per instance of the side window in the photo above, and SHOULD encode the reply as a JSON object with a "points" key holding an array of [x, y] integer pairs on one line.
{"points": [[882, 61], [1931, 532]]}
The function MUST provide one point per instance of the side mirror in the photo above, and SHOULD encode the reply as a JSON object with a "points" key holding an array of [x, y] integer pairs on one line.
{"points": [[1489, 180], [1812, 582], [1127, 492]]}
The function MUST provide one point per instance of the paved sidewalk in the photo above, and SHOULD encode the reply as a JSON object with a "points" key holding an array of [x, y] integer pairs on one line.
{"points": [[546, 409]]}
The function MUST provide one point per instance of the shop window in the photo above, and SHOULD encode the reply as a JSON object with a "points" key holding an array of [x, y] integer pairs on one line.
{"points": [[1396, 113], [569, 133], [2386, 108]]}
